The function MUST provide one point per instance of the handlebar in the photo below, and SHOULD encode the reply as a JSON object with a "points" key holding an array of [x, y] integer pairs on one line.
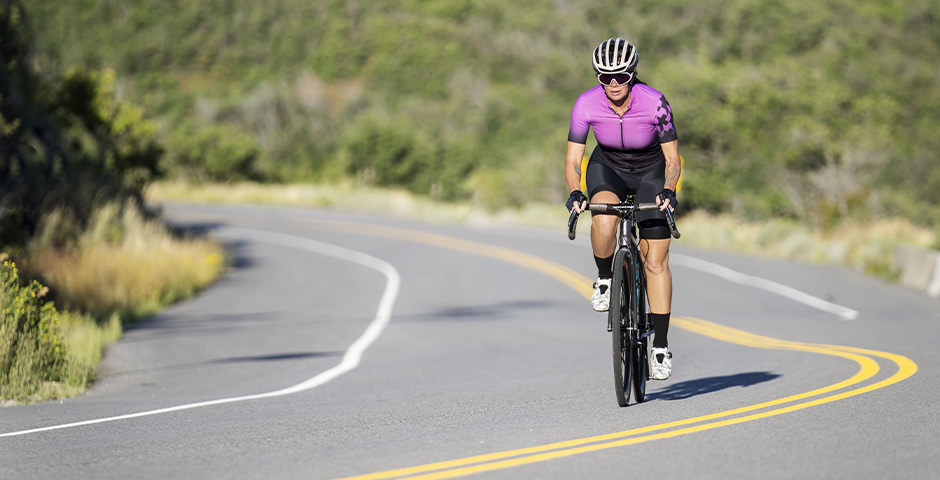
{"points": [[621, 210], [572, 224]]}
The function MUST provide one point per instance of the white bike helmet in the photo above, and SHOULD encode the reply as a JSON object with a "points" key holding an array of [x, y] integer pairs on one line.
{"points": [[615, 55]]}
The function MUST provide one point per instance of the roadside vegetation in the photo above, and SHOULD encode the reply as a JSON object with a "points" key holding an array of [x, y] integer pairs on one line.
{"points": [[120, 268], [79, 257]]}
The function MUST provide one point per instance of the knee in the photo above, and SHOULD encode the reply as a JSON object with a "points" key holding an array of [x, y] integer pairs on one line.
{"points": [[604, 223], [657, 266]]}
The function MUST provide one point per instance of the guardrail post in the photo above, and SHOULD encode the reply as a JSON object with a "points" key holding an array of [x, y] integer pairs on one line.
{"points": [[920, 269]]}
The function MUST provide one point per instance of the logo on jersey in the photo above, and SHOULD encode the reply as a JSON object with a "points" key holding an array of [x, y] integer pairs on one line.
{"points": [[663, 117]]}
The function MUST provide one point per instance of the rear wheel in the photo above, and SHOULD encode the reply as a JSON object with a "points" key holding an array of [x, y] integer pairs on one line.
{"points": [[620, 338], [640, 322]]}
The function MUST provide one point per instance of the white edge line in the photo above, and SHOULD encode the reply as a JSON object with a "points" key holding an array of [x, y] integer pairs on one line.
{"points": [[771, 286], [726, 273], [757, 282], [350, 359]]}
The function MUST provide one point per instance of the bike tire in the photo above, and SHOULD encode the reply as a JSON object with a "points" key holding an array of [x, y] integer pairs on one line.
{"points": [[622, 355], [640, 321]]}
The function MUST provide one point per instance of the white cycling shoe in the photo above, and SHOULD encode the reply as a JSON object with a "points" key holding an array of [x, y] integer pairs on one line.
{"points": [[601, 298], [660, 369]]}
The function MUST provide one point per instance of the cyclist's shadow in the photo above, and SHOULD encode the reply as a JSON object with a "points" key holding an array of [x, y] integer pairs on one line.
{"points": [[699, 386]]}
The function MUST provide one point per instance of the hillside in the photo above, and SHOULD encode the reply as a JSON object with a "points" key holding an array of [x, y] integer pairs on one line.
{"points": [[815, 110]]}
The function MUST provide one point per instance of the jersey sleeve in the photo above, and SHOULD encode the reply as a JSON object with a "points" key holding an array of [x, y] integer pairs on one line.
{"points": [[664, 125], [578, 131]]}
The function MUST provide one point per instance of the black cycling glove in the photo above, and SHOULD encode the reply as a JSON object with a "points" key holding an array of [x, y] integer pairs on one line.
{"points": [[671, 195], [576, 198]]}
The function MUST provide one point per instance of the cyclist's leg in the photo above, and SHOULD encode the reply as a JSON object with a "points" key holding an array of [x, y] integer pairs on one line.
{"points": [[604, 229], [659, 293], [658, 285], [654, 246], [604, 185]]}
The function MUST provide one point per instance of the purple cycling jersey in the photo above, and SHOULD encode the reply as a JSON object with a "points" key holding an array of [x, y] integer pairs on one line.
{"points": [[631, 141]]}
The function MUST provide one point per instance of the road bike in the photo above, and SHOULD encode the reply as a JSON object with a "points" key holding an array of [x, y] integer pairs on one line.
{"points": [[627, 319]]}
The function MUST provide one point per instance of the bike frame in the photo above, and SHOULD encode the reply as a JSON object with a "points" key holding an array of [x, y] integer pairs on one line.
{"points": [[628, 237], [632, 327]]}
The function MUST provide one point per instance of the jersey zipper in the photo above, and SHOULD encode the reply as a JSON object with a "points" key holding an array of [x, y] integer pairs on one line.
{"points": [[622, 144]]}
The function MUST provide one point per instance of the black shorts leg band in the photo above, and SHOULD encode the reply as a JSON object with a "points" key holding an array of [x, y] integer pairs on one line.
{"points": [[654, 229]]}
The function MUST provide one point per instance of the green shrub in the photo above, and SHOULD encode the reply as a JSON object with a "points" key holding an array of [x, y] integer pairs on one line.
{"points": [[456, 159], [31, 349], [705, 189], [389, 152], [217, 152], [68, 141]]}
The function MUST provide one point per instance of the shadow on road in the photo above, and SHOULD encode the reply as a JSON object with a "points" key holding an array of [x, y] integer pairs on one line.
{"points": [[168, 323], [699, 386], [495, 311], [218, 361], [234, 249]]}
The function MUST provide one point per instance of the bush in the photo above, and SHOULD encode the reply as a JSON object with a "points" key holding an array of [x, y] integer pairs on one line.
{"points": [[68, 142], [31, 350], [704, 189], [388, 152], [217, 152]]}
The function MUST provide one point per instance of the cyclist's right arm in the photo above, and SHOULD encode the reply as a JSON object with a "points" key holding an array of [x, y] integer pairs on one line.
{"points": [[577, 136], [573, 166]]}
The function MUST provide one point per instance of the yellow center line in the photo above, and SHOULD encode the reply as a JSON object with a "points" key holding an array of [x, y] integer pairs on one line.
{"points": [[565, 275], [906, 368], [868, 368]]}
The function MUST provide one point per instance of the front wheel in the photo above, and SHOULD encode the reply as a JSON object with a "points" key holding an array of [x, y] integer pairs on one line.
{"points": [[641, 369], [622, 354], [640, 323]]}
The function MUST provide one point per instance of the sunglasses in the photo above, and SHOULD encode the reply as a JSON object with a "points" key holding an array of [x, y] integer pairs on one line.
{"points": [[608, 78]]}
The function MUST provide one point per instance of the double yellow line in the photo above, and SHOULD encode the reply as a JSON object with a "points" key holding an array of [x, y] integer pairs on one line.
{"points": [[868, 368]]}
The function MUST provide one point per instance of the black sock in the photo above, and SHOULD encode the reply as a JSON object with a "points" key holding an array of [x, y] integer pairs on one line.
{"points": [[604, 266], [661, 326]]}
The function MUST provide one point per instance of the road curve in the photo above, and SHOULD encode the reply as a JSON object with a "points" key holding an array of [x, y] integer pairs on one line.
{"points": [[353, 346]]}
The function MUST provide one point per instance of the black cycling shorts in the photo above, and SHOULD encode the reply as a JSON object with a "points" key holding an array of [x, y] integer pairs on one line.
{"points": [[645, 183]]}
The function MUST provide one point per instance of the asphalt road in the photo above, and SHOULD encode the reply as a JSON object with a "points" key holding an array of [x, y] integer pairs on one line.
{"points": [[341, 345]]}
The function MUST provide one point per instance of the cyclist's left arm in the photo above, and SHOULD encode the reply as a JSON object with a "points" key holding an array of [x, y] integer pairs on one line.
{"points": [[667, 198], [665, 129], [673, 165]]}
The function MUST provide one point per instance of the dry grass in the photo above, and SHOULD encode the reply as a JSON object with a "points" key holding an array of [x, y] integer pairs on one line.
{"points": [[125, 263], [868, 247], [85, 340]]}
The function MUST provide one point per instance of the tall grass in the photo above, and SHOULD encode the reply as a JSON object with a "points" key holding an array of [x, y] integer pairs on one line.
{"points": [[121, 267], [123, 263]]}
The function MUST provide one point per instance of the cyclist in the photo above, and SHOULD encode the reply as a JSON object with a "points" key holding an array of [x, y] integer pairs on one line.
{"points": [[637, 153]]}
